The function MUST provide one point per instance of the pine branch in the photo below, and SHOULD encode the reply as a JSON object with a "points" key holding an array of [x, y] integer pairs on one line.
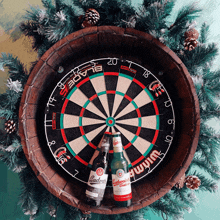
{"points": [[32, 202], [199, 57], [160, 207], [16, 69], [13, 156], [33, 14], [61, 25], [5, 113], [204, 33], [148, 3], [8, 103], [71, 213], [48, 4], [206, 184], [213, 169], [208, 101], [151, 17], [28, 181], [168, 7], [209, 114], [137, 215], [206, 156], [113, 12], [185, 196], [184, 17]]}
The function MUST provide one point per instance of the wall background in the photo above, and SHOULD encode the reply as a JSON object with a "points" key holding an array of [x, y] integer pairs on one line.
{"points": [[11, 41]]}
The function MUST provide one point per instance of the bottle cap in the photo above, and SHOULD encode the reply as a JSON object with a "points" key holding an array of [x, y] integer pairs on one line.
{"points": [[107, 133]]}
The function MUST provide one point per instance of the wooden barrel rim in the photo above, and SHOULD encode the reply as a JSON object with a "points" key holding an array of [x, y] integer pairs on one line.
{"points": [[144, 192]]}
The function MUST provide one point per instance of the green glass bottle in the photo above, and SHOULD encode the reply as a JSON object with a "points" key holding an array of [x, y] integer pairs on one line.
{"points": [[120, 174]]}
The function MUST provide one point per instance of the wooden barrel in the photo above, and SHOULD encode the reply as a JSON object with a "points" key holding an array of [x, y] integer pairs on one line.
{"points": [[90, 45]]}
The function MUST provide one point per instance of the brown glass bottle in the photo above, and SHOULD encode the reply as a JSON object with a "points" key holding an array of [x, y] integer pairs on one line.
{"points": [[99, 174], [120, 174]]}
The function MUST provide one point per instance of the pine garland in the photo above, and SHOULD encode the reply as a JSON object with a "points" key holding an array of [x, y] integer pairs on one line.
{"points": [[60, 18]]}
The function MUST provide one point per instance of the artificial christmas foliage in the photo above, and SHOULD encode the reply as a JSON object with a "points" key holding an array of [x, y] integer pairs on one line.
{"points": [[60, 18]]}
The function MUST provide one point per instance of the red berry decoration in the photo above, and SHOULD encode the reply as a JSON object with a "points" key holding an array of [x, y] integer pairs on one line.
{"points": [[192, 182]]}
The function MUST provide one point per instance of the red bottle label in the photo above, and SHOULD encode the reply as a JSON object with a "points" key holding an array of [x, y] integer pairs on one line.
{"points": [[121, 186]]}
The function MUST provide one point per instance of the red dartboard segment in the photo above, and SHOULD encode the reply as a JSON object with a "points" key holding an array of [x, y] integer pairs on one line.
{"points": [[155, 137], [81, 160], [111, 73], [64, 136], [138, 160], [92, 145], [110, 92], [139, 83], [82, 82], [138, 131], [155, 107], [64, 106], [128, 98], [81, 130], [127, 145], [93, 97], [138, 112], [81, 112]]}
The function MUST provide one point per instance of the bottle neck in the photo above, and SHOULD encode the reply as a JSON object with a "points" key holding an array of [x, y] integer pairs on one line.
{"points": [[118, 155], [118, 151], [117, 146], [103, 154], [105, 146]]}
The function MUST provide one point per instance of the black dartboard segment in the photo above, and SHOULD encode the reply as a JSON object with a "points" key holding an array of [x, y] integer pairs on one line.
{"points": [[109, 95]]}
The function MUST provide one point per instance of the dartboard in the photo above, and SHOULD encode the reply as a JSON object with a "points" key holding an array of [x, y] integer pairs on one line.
{"points": [[109, 79], [109, 94]]}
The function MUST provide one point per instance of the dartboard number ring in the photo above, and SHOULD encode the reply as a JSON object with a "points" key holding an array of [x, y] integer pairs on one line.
{"points": [[109, 95]]}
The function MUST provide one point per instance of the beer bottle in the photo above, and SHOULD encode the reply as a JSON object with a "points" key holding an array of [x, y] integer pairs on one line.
{"points": [[120, 174], [99, 174]]}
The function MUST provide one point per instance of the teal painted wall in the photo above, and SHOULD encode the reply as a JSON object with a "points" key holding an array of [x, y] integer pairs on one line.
{"points": [[11, 12]]}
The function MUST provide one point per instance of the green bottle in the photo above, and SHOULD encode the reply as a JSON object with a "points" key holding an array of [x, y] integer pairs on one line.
{"points": [[120, 174]]}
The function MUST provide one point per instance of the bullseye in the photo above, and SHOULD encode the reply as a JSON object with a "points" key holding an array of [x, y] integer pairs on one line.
{"points": [[110, 121]]}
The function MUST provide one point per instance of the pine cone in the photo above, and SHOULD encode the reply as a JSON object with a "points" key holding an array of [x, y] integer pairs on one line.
{"points": [[190, 44], [191, 37], [10, 126], [192, 182], [191, 33], [91, 18]]}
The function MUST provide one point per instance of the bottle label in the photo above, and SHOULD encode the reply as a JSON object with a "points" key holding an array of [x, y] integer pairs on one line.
{"points": [[98, 178], [117, 144], [121, 185], [92, 194]]}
